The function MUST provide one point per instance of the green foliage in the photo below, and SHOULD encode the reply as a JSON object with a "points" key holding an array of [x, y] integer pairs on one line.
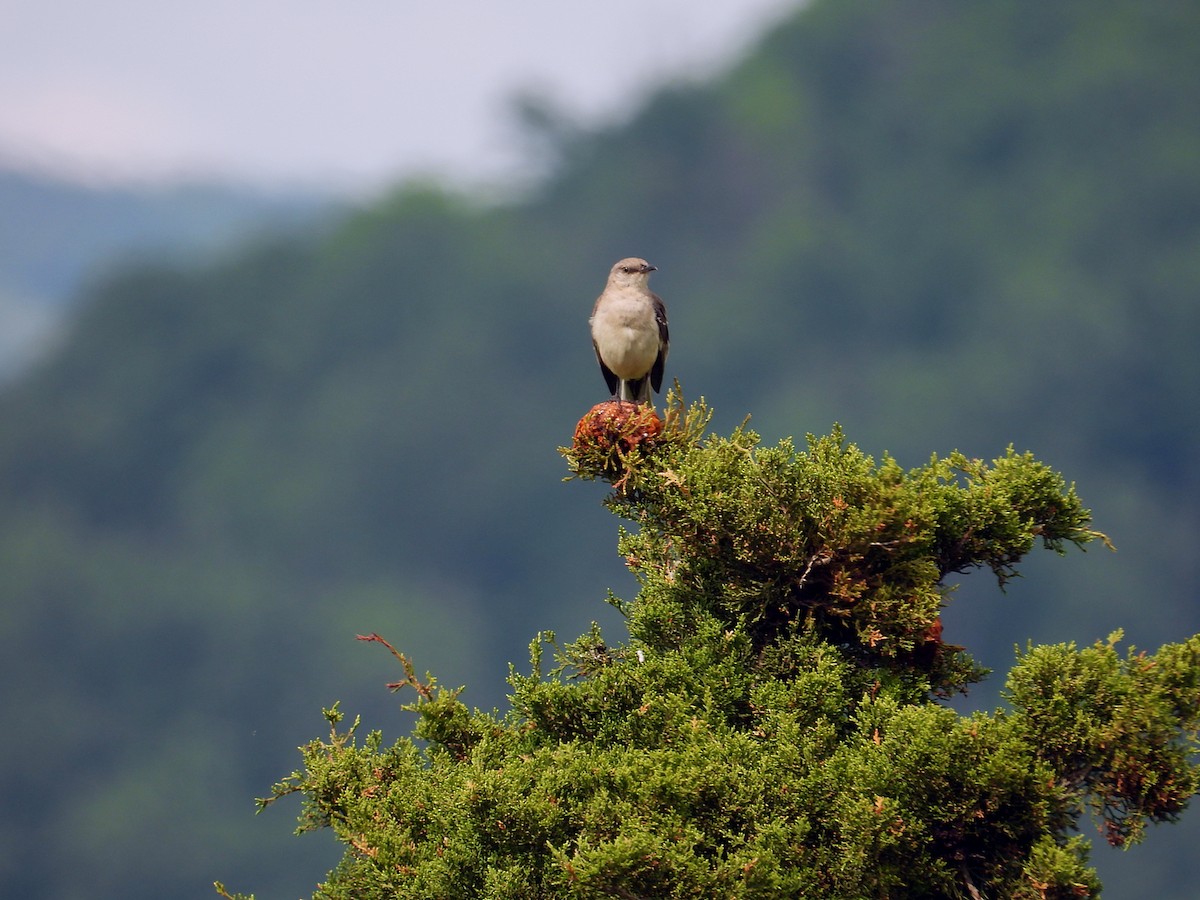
{"points": [[763, 537], [771, 728], [1121, 733]]}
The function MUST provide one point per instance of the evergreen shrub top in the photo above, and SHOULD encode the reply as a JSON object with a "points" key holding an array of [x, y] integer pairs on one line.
{"points": [[772, 726]]}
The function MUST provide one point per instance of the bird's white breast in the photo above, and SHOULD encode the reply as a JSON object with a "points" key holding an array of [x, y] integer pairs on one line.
{"points": [[626, 333]]}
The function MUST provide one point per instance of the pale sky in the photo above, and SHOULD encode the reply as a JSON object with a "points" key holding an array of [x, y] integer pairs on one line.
{"points": [[346, 93]]}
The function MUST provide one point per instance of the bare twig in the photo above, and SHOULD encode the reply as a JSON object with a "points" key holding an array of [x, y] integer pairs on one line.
{"points": [[410, 676]]}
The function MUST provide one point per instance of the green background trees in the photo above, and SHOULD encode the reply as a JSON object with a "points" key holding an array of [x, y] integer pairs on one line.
{"points": [[943, 226]]}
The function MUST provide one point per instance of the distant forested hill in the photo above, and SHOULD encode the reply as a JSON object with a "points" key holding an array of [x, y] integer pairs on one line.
{"points": [[56, 234], [944, 225]]}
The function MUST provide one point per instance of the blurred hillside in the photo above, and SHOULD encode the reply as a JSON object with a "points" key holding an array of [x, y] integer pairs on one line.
{"points": [[56, 235], [943, 225]]}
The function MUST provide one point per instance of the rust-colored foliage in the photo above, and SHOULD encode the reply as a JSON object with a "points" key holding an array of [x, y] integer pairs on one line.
{"points": [[609, 432], [616, 423]]}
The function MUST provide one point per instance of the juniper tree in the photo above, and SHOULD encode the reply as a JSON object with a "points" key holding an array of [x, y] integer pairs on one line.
{"points": [[773, 724]]}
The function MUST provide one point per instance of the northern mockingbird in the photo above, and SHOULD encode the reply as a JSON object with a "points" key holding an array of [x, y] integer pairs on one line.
{"points": [[629, 332]]}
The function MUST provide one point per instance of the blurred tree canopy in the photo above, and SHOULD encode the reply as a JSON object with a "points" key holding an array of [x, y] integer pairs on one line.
{"points": [[939, 224]]}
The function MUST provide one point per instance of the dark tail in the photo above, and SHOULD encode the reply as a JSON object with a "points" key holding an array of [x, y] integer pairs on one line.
{"points": [[635, 390]]}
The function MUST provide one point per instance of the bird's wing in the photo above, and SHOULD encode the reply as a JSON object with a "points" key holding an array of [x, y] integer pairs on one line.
{"points": [[610, 377], [664, 343]]}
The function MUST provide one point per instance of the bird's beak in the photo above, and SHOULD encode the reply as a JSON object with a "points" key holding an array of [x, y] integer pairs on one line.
{"points": [[651, 268]]}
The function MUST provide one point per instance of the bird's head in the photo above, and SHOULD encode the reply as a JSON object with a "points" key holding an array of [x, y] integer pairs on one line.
{"points": [[631, 270]]}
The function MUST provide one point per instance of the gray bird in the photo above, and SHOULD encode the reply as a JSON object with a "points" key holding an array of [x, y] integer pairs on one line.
{"points": [[629, 332]]}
